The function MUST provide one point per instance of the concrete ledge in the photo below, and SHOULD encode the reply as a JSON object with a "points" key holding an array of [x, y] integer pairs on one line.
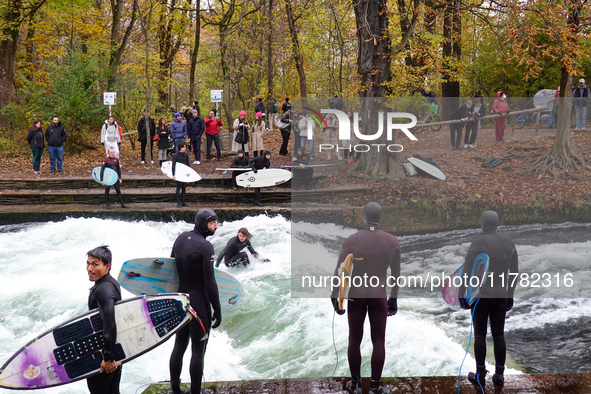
{"points": [[514, 384]]}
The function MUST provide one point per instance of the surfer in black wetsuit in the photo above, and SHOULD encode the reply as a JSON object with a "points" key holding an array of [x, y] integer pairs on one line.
{"points": [[496, 297], [182, 157], [379, 250], [103, 295], [113, 163], [258, 163], [194, 261], [303, 175], [233, 254], [239, 161]]}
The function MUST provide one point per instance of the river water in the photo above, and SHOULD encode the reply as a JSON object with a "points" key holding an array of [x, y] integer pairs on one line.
{"points": [[271, 334]]}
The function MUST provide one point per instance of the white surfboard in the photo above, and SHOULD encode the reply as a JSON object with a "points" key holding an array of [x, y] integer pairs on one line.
{"points": [[182, 172], [263, 178], [428, 168], [73, 350], [110, 177]]}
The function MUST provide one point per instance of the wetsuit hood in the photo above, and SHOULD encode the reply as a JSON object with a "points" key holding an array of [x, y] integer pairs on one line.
{"points": [[203, 217], [372, 214], [489, 222]]}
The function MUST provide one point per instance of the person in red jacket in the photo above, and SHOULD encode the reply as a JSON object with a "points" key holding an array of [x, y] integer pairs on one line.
{"points": [[212, 134], [500, 106]]}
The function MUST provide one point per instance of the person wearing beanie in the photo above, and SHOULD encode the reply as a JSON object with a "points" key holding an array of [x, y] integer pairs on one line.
{"points": [[258, 130], [178, 130], [241, 138], [580, 100], [379, 251], [258, 163], [463, 113], [239, 161], [194, 257], [495, 298]]}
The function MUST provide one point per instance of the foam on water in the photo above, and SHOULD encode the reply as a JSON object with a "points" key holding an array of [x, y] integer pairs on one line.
{"points": [[269, 334]]}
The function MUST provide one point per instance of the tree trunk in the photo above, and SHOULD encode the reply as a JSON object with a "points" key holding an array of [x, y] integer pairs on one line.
{"points": [[452, 52], [167, 46], [148, 86], [270, 56], [373, 64], [295, 47], [195, 52], [226, 102], [8, 47], [117, 43]]}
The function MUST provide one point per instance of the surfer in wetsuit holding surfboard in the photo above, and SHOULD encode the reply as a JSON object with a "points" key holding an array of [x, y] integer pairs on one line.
{"points": [[113, 163], [496, 296], [376, 250], [194, 259], [103, 295]]}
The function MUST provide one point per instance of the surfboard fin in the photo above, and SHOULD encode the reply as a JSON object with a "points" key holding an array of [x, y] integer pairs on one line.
{"points": [[134, 274], [158, 261]]}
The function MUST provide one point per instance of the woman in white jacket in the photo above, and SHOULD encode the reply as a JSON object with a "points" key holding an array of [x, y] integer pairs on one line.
{"points": [[110, 136]]}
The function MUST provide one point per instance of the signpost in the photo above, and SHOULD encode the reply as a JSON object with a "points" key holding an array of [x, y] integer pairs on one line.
{"points": [[217, 97], [110, 98]]}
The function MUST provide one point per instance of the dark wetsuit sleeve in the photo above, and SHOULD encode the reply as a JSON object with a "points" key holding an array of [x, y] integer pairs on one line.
{"points": [[211, 286], [106, 297], [250, 248], [395, 272], [223, 253], [118, 169]]}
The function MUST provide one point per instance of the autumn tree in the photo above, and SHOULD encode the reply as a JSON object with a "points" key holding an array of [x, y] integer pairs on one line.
{"points": [[376, 51], [12, 15], [227, 16], [119, 41], [552, 30]]}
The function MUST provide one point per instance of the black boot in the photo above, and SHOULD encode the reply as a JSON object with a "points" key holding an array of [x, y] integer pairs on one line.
{"points": [[175, 386], [108, 202], [478, 378], [122, 201], [376, 388], [497, 378], [353, 386]]}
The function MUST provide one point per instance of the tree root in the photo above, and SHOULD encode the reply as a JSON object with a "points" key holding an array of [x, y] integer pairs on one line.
{"points": [[557, 164]]}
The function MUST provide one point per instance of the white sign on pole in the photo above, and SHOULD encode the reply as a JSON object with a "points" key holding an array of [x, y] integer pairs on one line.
{"points": [[109, 98], [216, 96]]}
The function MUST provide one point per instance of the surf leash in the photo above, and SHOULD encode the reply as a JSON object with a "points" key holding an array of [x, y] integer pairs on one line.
{"points": [[194, 314], [468, 349], [334, 345], [151, 383]]}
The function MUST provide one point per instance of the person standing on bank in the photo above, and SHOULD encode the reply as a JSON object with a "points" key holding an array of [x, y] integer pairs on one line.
{"points": [[182, 157], [212, 134], [463, 113], [178, 130], [110, 136], [163, 142], [194, 257], [113, 163], [103, 295], [240, 137], [258, 163], [331, 135], [472, 127], [495, 299], [273, 110], [258, 130], [36, 143], [143, 136], [195, 133], [55, 135], [500, 107], [285, 131], [379, 251], [580, 100]]}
